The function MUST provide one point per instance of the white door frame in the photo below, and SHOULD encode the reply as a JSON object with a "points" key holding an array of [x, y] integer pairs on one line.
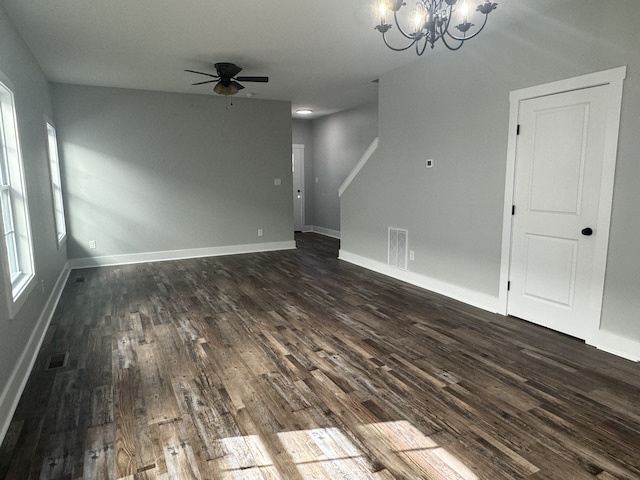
{"points": [[615, 78], [300, 147]]}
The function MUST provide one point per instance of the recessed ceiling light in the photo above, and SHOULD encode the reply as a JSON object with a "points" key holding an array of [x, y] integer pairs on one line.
{"points": [[304, 111]]}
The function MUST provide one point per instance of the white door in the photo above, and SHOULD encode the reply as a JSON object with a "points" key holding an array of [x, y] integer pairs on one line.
{"points": [[297, 170], [557, 195]]}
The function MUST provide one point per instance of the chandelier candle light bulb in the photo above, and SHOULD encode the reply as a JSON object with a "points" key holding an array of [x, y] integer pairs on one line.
{"points": [[382, 10], [430, 21]]}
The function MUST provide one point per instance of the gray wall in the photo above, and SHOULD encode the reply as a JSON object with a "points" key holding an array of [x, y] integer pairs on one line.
{"points": [[32, 101], [150, 171], [339, 140], [454, 211]]}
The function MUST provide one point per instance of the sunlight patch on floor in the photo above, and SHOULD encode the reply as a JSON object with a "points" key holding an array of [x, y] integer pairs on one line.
{"points": [[327, 453], [415, 451], [245, 458]]}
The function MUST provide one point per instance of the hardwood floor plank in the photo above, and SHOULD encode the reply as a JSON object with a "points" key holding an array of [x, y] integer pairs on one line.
{"points": [[59, 461], [9, 445], [99, 453], [294, 365], [179, 455], [124, 421]]}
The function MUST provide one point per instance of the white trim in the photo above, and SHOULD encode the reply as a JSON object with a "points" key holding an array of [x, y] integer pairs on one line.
{"points": [[299, 146], [614, 78], [327, 232], [126, 259], [55, 176], [616, 345], [470, 297], [361, 163], [21, 288], [605, 77], [10, 395]]}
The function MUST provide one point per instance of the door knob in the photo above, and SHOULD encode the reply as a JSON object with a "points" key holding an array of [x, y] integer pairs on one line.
{"points": [[587, 231]]}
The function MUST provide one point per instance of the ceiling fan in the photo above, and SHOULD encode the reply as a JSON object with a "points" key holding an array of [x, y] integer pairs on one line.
{"points": [[227, 79]]}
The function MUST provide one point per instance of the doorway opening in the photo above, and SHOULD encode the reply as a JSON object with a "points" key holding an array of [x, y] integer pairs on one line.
{"points": [[297, 170]]}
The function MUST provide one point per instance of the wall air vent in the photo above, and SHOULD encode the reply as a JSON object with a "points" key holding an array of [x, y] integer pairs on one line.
{"points": [[398, 248]]}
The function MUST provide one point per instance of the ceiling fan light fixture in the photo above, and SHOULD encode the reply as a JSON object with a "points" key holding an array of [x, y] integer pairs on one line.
{"points": [[230, 89], [227, 78]]}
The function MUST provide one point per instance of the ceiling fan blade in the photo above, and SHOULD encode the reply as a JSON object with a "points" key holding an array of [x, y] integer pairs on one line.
{"points": [[206, 81], [240, 87], [253, 79], [203, 73], [228, 70]]}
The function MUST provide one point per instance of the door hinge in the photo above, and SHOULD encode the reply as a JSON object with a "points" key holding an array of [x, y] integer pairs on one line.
{"points": [[508, 286], [518, 130]]}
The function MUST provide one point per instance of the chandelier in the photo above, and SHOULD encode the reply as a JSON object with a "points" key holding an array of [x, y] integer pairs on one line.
{"points": [[429, 21]]}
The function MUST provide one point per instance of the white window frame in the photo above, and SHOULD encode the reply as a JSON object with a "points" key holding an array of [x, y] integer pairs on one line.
{"points": [[56, 181], [16, 256]]}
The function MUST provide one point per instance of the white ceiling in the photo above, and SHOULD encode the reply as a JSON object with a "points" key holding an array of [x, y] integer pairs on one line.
{"points": [[321, 54]]}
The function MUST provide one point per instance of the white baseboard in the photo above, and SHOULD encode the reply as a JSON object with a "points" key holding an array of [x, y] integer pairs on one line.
{"points": [[603, 340], [470, 297], [616, 345], [327, 232], [12, 391], [110, 260]]}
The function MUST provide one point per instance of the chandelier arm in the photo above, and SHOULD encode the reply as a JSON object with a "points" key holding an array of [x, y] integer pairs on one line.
{"points": [[465, 38], [396, 49], [445, 27], [409, 36], [419, 51], [444, 40]]}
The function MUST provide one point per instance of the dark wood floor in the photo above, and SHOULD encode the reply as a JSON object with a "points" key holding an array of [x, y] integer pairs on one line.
{"points": [[295, 365]]}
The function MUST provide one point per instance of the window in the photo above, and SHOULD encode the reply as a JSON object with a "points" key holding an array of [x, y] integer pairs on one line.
{"points": [[56, 183], [17, 254]]}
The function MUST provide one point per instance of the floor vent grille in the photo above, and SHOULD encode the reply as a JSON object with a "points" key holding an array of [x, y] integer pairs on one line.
{"points": [[57, 360]]}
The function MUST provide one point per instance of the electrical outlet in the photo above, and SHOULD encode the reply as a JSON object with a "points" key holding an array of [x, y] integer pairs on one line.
{"points": [[92, 244], [260, 232], [429, 162]]}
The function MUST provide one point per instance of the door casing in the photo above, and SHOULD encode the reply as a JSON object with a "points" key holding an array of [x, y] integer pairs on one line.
{"points": [[614, 78], [298, 183]]}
